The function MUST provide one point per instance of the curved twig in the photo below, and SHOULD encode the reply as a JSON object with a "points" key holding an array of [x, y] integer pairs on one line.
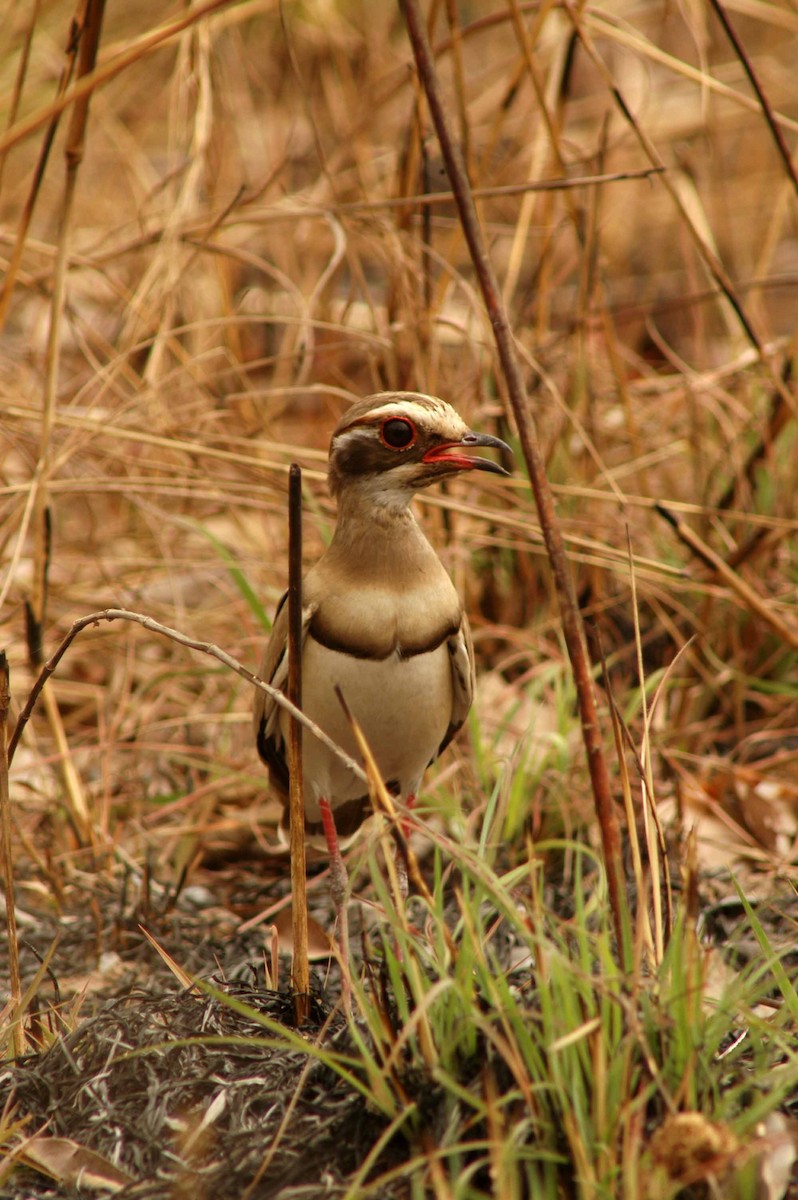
{"points": [[227, 660]]}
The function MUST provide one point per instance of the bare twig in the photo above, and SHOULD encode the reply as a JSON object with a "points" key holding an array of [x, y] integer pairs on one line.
{"points": [[87, 23], [19, 81], [296, 802], [87, 26], [767, 110], [497, 192], [227, 660], [552, 534], [44, 153]]}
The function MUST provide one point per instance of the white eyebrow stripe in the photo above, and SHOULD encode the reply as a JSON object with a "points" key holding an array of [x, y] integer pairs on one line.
{"points": [[414, 412], [450, 423]]}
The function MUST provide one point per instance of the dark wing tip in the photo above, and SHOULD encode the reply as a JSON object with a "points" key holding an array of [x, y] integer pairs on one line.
{"points": [[273, 757]]}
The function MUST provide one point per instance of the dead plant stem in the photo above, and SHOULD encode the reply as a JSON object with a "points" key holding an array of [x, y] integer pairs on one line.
{"points": [[87, 25], [15, 985], [38, 174], [552, 534], [767, 111], [296, 802]]}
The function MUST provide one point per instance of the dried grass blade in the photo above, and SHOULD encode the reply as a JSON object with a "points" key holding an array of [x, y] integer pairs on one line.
{"points": [[180, 975]]}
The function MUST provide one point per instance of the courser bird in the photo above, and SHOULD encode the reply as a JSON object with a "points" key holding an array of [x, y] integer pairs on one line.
{"points": [[381, 619]]}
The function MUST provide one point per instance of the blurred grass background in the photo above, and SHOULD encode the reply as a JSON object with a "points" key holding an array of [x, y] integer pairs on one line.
{"points": [[260, 233]]}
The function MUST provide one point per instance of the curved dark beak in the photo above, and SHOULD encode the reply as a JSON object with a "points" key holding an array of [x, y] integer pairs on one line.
{"points": [[487, 464], [447, 453]]}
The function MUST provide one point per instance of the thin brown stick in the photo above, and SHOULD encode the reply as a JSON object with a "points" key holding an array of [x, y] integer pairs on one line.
{"points": [[296, 802], [27, 211], [227, 660], [15, 984], [767, 111], [552, 534], [87, 26], [707, 253], [38, 175], [19, 81]]}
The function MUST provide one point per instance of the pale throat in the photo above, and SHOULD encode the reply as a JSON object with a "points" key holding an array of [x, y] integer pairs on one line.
{"points": [[374, 495], [377, 533]]}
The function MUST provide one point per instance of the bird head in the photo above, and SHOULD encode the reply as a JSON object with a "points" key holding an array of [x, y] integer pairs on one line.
{"points": [[391, 445]]}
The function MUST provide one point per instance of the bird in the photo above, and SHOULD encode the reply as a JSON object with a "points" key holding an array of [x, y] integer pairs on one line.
{"points": [[381, 619]]}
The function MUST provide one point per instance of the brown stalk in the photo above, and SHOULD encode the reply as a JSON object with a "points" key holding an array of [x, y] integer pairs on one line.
{"points": [[86, 31], [44, 153], [296, 803], [780, 411], [767, 111], [19, 81], [15, 985], [552, 534]]}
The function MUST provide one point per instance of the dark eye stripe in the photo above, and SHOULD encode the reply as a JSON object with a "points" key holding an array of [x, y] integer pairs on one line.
{"points": [[398, 433]]}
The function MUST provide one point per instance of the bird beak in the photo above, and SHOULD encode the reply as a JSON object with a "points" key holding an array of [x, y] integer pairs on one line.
{"points": [[447, 453]]}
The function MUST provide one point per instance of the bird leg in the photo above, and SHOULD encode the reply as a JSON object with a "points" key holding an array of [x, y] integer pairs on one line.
{"points": [[339, 881], [410, 804], [401, 850]]}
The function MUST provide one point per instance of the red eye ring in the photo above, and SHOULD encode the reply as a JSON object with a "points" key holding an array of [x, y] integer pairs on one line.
{"points": [[397, 433]]}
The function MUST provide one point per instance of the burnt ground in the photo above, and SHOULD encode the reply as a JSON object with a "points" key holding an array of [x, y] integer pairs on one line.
{"points": [[170, 1084], [181, 1091]]}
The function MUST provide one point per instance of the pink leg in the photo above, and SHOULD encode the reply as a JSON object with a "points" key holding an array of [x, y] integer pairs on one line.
{"points": [[338, 885]]}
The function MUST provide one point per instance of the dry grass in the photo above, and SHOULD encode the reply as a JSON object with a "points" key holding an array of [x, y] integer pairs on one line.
{"points": [[259, 233]]}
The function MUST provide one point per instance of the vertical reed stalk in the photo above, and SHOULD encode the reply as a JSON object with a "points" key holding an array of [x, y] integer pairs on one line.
{"points": [[299, 905], [88, 23], [15, 986]]}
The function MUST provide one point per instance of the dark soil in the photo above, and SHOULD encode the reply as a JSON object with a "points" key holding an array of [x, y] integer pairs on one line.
{"points": [[183, 1089]]}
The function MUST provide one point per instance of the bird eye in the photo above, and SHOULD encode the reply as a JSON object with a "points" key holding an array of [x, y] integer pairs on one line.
{"points": [[398, 433]]}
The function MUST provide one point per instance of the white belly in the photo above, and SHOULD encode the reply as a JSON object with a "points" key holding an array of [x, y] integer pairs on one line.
{"points": [[403, 707]]}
